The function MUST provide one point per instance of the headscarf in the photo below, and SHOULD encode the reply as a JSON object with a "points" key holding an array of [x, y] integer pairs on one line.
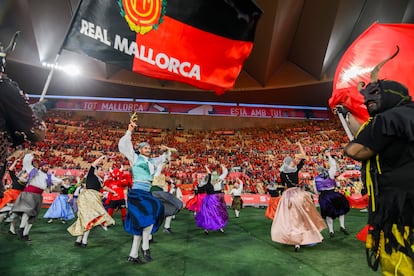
{"points": [[43, 163], [286, 167], [143, 144], [214, 177], [204, 180], [323, 172], [140, 146]]}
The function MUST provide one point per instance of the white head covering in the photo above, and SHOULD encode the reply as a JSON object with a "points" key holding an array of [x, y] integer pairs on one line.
{"points": [[286, 167], [203, 181]]}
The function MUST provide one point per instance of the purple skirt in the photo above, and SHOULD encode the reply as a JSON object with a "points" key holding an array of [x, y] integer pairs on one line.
{"points": [[333, 204], [213, 214]]}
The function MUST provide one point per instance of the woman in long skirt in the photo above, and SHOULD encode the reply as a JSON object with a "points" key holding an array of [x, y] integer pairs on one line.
{"points": [[297, 221]]}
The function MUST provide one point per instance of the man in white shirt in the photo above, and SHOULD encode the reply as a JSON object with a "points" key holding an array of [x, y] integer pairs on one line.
{"points": [[29, 202], [237, 202]]}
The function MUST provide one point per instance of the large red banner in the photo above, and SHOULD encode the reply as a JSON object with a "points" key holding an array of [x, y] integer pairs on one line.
{"points": [[209, 109]]}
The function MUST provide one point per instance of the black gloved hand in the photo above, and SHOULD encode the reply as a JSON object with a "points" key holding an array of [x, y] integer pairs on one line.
{"points": [[340, 109]]}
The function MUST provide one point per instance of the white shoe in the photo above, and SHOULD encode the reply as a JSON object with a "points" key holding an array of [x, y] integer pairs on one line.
{"points": [[50, 221]]}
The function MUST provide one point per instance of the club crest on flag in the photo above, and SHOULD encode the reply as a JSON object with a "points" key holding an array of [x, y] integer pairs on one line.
{"points": [[142, 15]]}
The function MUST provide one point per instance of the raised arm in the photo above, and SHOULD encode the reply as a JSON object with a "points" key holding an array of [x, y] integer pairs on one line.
{"points": [[332, 167], [125, 144], [224, 173], [240, 184], [161, 160], [302, 153], [98, 161], [207, 169], [13, 165], [27, 162]]}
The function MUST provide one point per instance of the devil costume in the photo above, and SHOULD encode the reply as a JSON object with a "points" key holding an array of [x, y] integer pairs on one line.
{"points": [[18, 122], [389, 176]]}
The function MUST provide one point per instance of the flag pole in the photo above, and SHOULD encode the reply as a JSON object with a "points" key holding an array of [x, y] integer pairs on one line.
{"points": [[345, 126], [49, 77]]}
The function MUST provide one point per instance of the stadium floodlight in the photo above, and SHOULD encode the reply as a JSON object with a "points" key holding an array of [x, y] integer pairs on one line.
{"points": [[71, 69]]}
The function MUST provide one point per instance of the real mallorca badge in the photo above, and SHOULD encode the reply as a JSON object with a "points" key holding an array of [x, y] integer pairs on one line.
{"points": [[142, 15]]}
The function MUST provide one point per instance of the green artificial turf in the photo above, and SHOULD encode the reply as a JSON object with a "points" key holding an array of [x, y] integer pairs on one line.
{"points": [[244, 249]]}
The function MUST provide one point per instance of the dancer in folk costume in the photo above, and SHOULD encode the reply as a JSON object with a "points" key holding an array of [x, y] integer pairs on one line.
{"points": [[10, 195], [75, 194], [218, 182], [17, 185], [29, 202], [275, 196], [118, 181], [172, 205], [91, 211], [235, 193], [297, 221], [194, 203], [60, 207], [145, 212], [212, 214], [332, 203], [175, 190]]}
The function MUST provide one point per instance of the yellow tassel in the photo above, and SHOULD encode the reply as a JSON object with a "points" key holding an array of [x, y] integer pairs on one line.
{"points": [[369, 243], [370, 185]]}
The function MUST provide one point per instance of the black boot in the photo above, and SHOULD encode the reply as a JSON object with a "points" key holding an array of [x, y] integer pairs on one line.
{"points": [[343, 230], [26, 238], [20, 233], [147, 255]]}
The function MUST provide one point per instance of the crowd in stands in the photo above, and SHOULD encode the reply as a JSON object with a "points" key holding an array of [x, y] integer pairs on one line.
{"points": [[73, 141]]}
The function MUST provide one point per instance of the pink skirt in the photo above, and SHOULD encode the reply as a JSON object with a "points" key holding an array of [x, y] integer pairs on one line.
{"points": [[297, 221]]}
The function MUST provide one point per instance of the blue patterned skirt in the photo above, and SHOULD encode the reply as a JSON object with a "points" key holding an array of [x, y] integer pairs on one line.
{"points": [[60, 208], [143, 210]]}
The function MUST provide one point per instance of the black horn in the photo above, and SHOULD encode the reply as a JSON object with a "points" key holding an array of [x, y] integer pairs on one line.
{"points": [[375, 71], [12, 44]]}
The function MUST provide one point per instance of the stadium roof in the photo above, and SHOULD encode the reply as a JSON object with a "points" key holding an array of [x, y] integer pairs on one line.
{"points": [[298, 45]]}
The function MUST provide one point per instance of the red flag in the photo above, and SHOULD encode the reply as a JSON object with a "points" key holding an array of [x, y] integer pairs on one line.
{"points": [[376, 44], [203, 43]]}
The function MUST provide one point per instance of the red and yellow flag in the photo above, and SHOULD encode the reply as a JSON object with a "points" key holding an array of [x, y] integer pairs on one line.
{"points": [[203, 43]]}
